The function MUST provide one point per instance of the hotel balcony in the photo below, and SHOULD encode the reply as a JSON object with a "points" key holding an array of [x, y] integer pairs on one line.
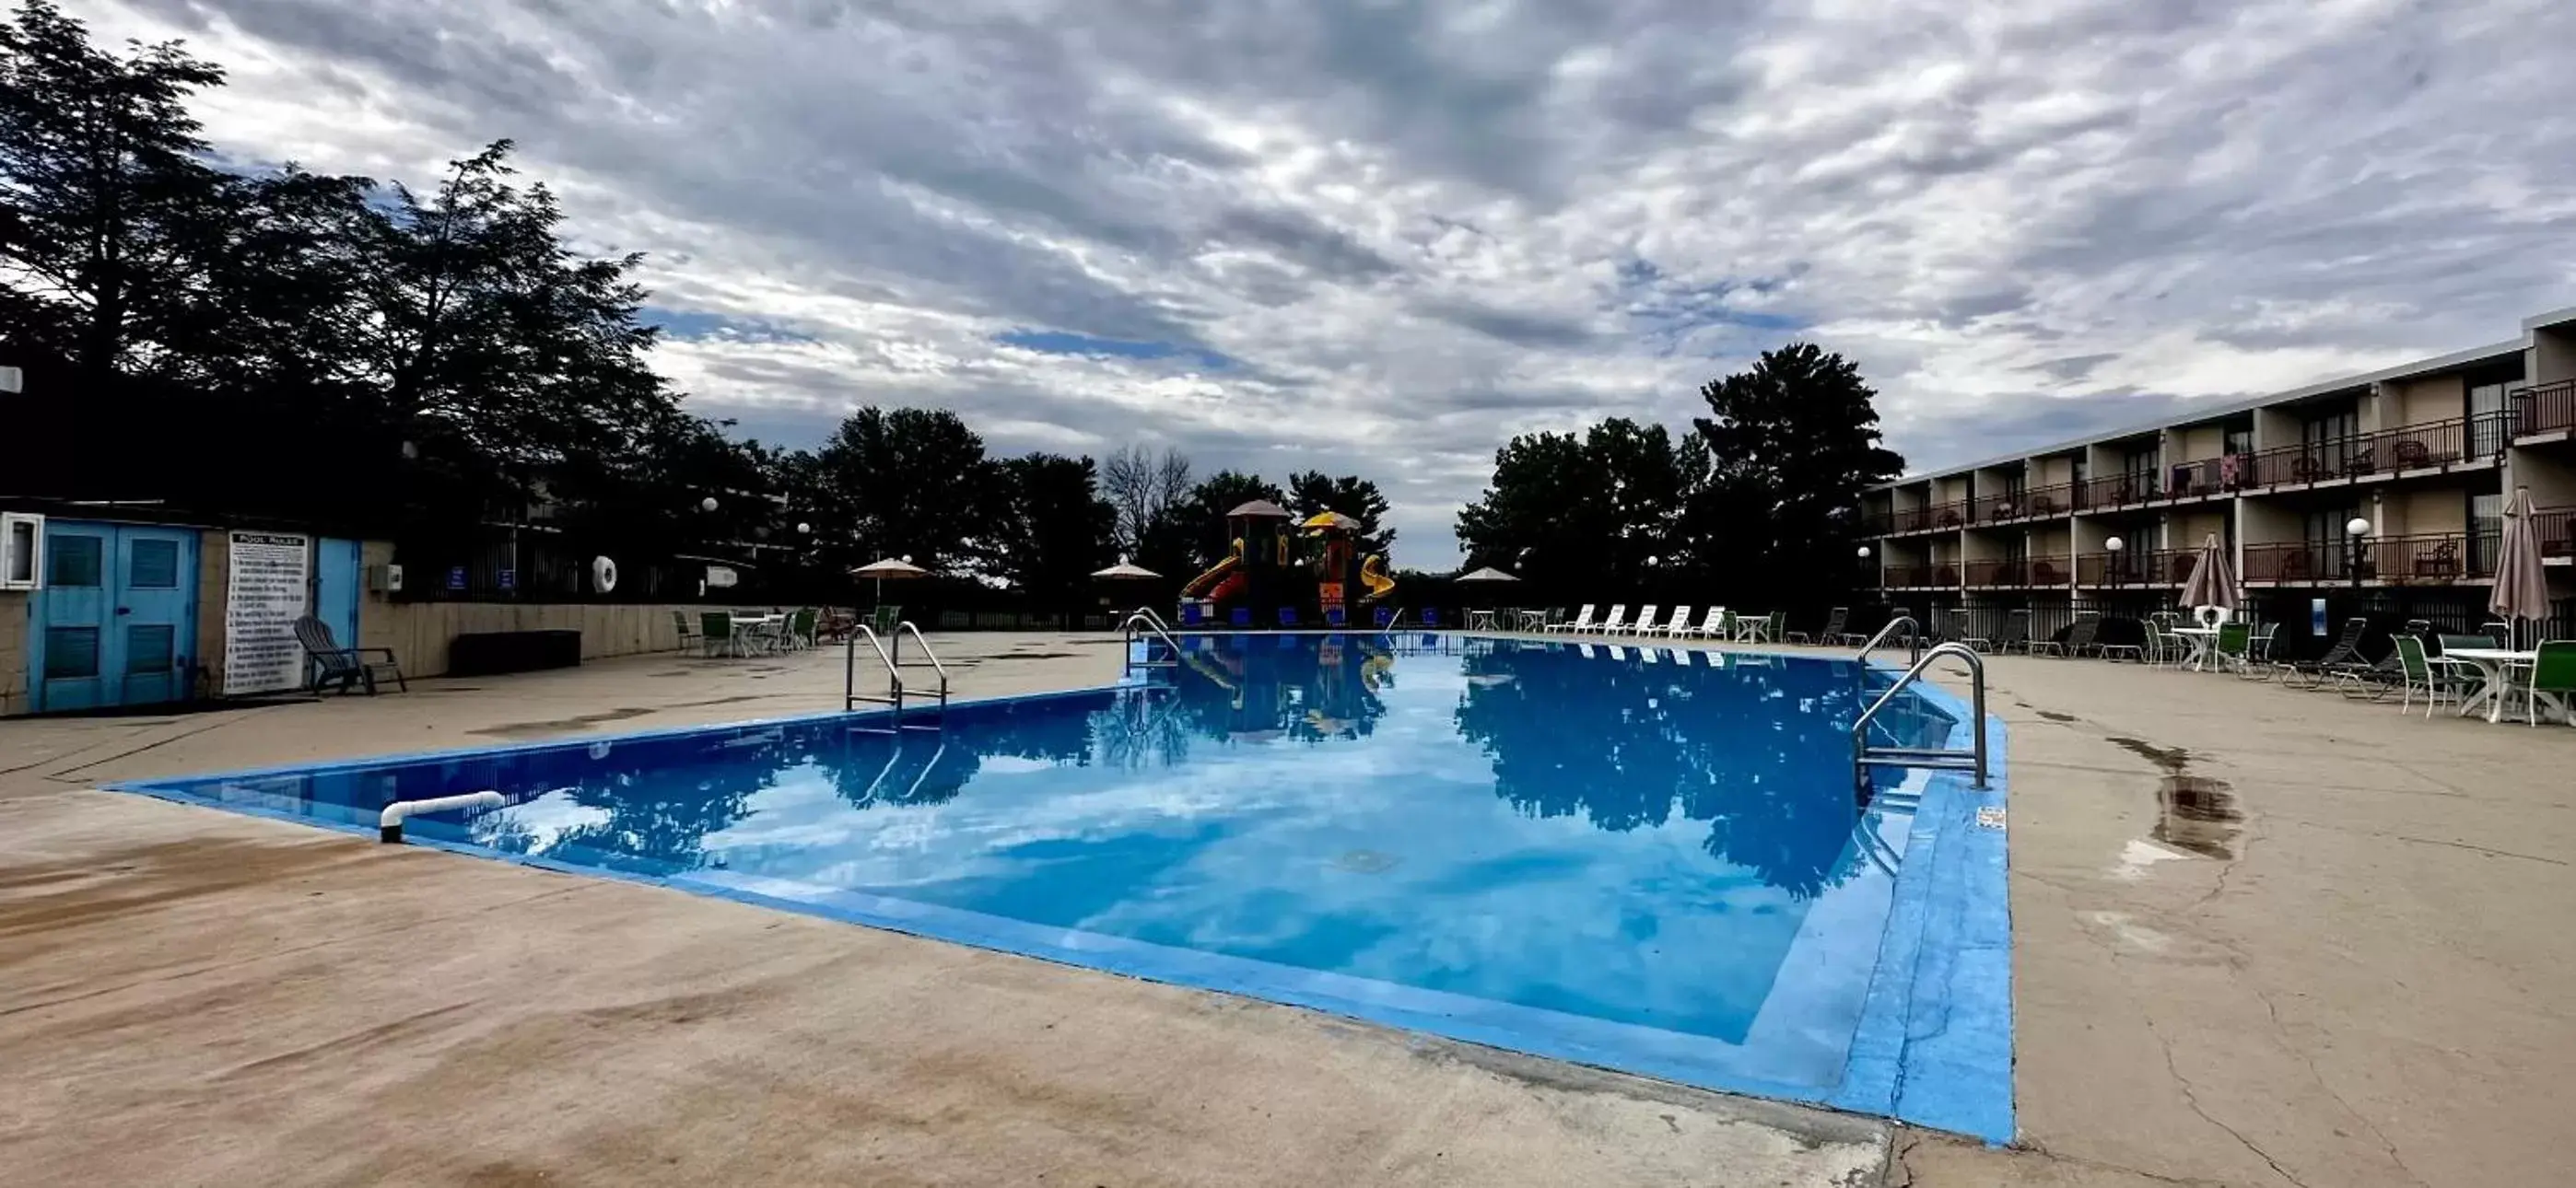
{"points": [[2159, 567], [2037, 503], [2429, 559], [2545, 408], [2412, 449], [2021, 572], [2556, 527], [1939, 517], [2116, 490], [1939, 575]]}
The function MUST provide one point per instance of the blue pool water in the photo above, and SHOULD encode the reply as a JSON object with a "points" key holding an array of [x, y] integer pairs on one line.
{"points": [[1648, 859]]}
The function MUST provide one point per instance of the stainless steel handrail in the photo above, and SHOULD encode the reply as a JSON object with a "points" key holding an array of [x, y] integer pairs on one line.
{"points": [[1151, 617], [1976, 728], [1913, 635], [1151, 624], [850, 669], [904, 628]]}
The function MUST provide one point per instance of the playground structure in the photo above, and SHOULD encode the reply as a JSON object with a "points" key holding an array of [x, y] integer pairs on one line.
{"points": [[1278, 569]]}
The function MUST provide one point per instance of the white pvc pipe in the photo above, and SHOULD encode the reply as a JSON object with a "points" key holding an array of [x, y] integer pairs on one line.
{"points": [[389, 825]]}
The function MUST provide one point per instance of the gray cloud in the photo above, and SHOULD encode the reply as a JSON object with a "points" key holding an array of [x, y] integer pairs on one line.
{"points": [[1414, 227]]}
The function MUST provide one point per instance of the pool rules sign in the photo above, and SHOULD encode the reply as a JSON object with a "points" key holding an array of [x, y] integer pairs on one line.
{"points": [[265, 594]]}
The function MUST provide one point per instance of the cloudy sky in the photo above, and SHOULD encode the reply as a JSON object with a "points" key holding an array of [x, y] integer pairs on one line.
{"points": [[1383, 236]]}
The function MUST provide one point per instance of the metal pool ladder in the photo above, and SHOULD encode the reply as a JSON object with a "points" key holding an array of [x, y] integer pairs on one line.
{"points": [[1937, 758], [1913, 639], [1145, 617], [895, 692]]}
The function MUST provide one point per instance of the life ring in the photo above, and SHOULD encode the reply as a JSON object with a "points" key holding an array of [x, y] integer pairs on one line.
{"points": [[603, 574]]}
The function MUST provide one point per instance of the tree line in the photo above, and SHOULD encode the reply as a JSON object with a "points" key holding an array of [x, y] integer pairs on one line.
{"points": [[441, 365]]}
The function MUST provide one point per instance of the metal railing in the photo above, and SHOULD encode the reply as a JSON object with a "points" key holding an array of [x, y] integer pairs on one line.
{"points": [[2114, 490], [2545, 408], [895, 692], [1913, 638], [2130, 567], [2050, 571], [1146, 618], [2556, 528], [1940, 758], [2434, 445], [2056, 499], [2425, 557]]}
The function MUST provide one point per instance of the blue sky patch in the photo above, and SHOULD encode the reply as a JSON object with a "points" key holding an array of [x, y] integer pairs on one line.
{"points": [[1065, 342]]}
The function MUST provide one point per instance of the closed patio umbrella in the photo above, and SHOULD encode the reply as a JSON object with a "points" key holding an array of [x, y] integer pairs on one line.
{"points": [[2521, 586], [2212, 582]]}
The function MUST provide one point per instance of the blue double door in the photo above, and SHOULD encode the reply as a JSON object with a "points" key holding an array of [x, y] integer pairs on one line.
{"points": [[115, 621]]}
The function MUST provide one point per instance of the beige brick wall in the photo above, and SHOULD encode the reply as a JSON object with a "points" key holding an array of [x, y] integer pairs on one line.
{"points": [[14, 618]]}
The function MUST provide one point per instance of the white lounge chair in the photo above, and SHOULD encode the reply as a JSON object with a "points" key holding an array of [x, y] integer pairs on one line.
{"points": [[1671, 628], [1711, 627], [1614, 622], [1582, 622], [1645, 623]]}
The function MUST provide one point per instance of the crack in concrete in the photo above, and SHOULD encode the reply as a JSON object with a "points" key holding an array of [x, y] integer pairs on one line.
{"points": [[2191, 1097], [2319, 1077], [2474, 848]]}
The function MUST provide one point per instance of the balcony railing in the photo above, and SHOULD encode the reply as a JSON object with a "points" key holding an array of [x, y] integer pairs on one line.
{"points": [[2019, 571], [2112, 490], [2054, 500], [2160, 567], [1941, 574], [2545, 408], [2556, 527], [2412, 447], [1926, 519], [2430, 557]]}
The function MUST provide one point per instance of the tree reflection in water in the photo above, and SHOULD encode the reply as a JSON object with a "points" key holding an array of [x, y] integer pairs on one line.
{"points": [[1312, 688], [1759, 750]]}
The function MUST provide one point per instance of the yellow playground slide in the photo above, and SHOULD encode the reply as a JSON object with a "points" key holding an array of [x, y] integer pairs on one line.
{"points": [[1373, 575]]}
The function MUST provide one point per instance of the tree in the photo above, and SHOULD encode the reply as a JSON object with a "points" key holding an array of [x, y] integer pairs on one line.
{"points": [[1312, 492], [102, 192], [1151, 494], [1223, 492], [1049, 527], [1792, 444], [912, 482], [1601, 508]]}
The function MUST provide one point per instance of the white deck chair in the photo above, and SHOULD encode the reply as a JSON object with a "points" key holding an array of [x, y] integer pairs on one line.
{"points": [[1673, 627], [1645, 620], [1582, 622], [1614, 622], [1713, 626]]}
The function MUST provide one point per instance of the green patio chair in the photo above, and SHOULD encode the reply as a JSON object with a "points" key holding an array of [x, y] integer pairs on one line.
{"points": [[800, 628], [2553, 673], [2235, 640], [689, 637], [715, 634], [884, 620], [2416, 671]]}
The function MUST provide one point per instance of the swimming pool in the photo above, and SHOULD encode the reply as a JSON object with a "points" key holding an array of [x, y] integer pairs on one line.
{"points": [[1647, 859]]}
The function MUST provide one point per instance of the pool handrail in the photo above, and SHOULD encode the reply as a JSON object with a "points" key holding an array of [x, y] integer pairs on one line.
{"points": [[389, 824], [1913, 639], [1146, 618], [1932, 757]]}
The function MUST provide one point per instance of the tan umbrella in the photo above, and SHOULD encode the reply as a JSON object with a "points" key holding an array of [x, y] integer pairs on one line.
{"points": [[2521, 586], [889, 567], [2212, 582], [1486, 574], [1125, 571]]}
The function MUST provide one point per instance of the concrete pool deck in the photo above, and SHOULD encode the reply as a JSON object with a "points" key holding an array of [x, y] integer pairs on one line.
{"points": [[2355, 982]]}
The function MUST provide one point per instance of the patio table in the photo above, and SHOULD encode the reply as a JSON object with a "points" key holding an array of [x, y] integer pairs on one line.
{"points": [[1533, 620], [2495, 677], [2201, 639], [1480, 620]]}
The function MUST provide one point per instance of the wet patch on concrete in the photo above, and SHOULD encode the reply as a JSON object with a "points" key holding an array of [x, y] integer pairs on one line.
{"points": [[2054, 716], [2198, 814], [2172, 759], [560, 725]]}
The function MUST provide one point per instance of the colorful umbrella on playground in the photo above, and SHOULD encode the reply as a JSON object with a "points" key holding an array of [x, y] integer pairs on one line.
{"points": [[1321, 521], [2521, 585], [2212, 582]]}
